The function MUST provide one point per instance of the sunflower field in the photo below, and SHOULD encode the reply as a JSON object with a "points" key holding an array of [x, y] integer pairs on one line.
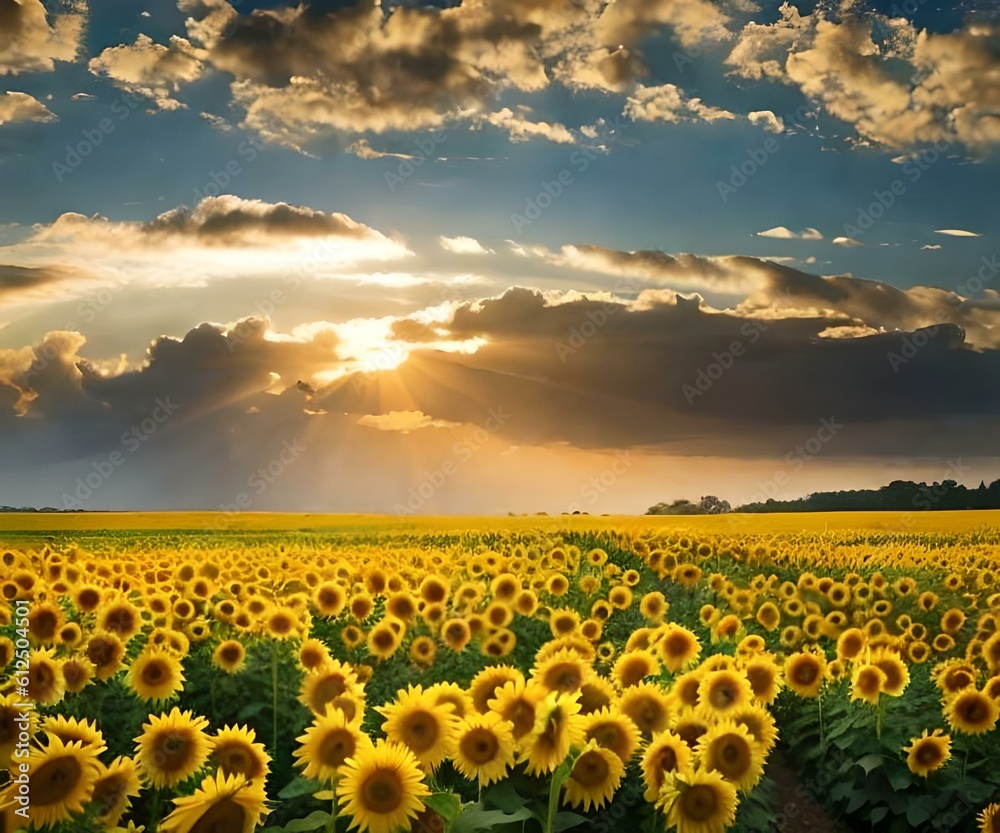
{"points": [[525, 681]]}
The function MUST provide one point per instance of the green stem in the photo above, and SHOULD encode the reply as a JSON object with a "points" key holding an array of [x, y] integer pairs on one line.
{"points": [[274, 694], [331, 825], [965, 763], [822, 733], [878, 721], [154, 813]]}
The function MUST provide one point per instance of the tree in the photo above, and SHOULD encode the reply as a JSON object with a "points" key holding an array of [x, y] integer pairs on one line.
{"points": [[711, 505]]}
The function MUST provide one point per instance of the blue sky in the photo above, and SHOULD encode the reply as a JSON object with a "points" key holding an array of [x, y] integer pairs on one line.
{"points": [[222, 142]]}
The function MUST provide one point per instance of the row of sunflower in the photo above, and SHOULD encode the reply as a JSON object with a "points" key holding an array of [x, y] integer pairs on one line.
{"points": [[396, 685]]}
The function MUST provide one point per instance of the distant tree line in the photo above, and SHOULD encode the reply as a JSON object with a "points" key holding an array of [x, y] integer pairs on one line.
{"points": [[899, 496], [708, 505]]}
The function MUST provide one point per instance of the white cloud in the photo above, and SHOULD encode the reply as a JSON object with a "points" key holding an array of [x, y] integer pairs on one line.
{"points": [[667, 103], [847, 242], [464, 246], [520, 129], [20, 107], [956, 232], [150, 69], [929, 248], [784, 233], [29, 43], [766, 119]]}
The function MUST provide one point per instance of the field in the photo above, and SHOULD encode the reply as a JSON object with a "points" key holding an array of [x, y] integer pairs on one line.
{"points": [[205, 673]]}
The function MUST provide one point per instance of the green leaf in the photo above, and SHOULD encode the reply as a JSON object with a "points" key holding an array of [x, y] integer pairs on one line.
{"points": [[870, 762], [504, 796], [314, 821], [565, 820], [300, 787], [474, 818], [917, 813], [446, 805]]}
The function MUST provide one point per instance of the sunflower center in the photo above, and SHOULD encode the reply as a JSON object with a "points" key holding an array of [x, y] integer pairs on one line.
{"points": [[108, 794], [175, 751], [54, 780], [522, 715], [590, 769], [44, 625], [732, 756], [234, 760], [667, 759], [336, 748], [381, 792], [699, 803], [327, 689], [154, 672], [928, 754], [420, 730], [973, 710], [806, 673], [479, 745], [564, 676], [223, 817]]}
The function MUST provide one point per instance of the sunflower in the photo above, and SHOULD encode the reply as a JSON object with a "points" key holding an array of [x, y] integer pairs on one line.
{"points": [[989, 819], [120, 617], [698, 802], [322, 687], [632, 668], [422, 651], [867, 682], [452, 694], [766, 679], [155, 675], [313, 654], [329, 599], [61, 778], [517, 703], [116, 784], [327, 744], [105, 652], [46, 684], [760, 724], [667, 753], [654, 606], [382, 788], [234, 749], [647, 706], [614, 731], [417, 721], [172, 747], [804, 674], [384, 639], [230, 656], [731, 750], [972, 712], [558, 727], [596, 693], [222, 802], [483, 748], [928, 753], [596, 774], [768, 616], [44, 622], [456, 634], [485, 684], [70, 730], [723, 690], [897, 675]]}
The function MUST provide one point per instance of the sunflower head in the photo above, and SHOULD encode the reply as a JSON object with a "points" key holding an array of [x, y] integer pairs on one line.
{"points": [[327, 744], [381, 787], [172, 747], [699, 800], [417, 720], [222, 802], [928, 753], [596, 774]]}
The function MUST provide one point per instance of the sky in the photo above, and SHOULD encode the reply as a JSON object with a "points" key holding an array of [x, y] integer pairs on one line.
{"points": [[494, 256]]}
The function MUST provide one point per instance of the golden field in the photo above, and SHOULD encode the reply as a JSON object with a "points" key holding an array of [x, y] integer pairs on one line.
{"points": [[537, 674]]}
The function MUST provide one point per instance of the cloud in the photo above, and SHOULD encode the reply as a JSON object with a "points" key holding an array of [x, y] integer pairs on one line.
{"points": [[21, 107], [83, 97], [667, 103], [639, 270], [847, 242], [30, 43], [221, 237], [898, 87], [930, 248], [150, 69], [521, 129], [783, 233], [766, 119], [955, 232], [464, 246], [404, 421]]}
